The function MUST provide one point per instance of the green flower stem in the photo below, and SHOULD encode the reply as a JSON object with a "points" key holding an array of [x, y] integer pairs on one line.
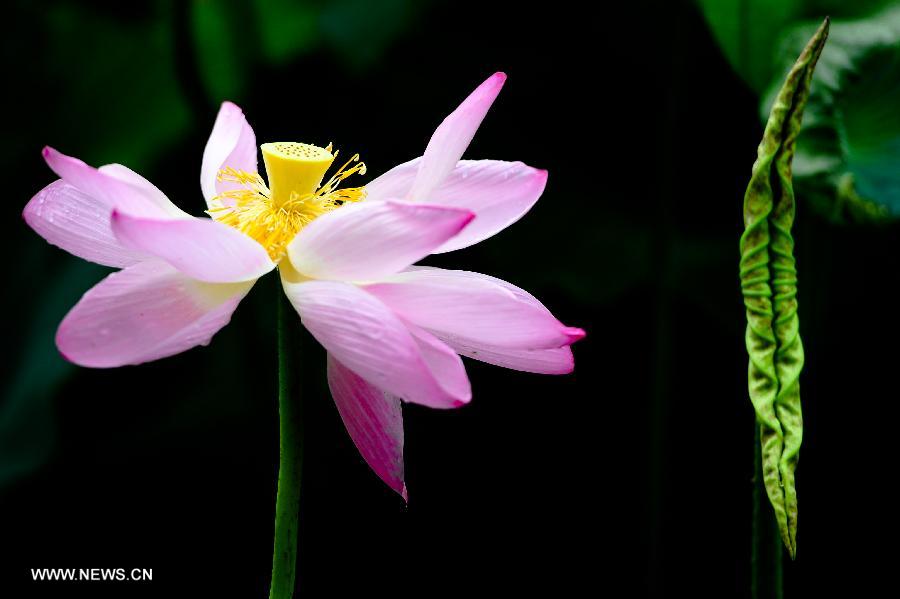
{"points": [[769, 286], [287, 504]]}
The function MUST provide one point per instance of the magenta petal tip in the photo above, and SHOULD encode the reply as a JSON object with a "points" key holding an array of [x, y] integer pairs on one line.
{"points": [[574, 334], [493, 84], [404, 494]]}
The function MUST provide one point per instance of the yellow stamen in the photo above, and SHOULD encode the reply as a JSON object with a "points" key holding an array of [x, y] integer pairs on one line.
{"points": [[274, 214]]}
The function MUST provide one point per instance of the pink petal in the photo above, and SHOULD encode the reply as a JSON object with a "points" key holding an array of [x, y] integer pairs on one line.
{"points": [[443, 362], [126, 175], [558, 360], [498, 192], [231, 143], [395, 183], [112, 187], [201, 248], [78, 223], [374, 420], [366, 337], [145, 312], [370, 240], [453, 136], [473, 308]]}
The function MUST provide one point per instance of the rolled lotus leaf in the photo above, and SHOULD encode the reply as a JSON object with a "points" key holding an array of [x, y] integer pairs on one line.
{"points": [[769, 287]]}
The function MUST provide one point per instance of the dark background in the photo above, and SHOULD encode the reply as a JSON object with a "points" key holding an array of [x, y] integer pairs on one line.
{"points": [[629, 478]]}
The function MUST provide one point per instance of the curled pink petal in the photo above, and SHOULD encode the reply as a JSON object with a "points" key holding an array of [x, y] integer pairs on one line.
{"points": [[232, 143], [444, 364], [370, 240], [558, 360], [453, 136], [473, 308], [201, 248], [78, 223], [373, 419], [112, 186], [145, 312], [366, 337], [498, 192]]}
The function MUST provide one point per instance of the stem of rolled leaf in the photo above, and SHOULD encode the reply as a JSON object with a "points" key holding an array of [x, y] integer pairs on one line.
{"points": [[756, 528], [769, 286], [766, 563], [287, 503]]}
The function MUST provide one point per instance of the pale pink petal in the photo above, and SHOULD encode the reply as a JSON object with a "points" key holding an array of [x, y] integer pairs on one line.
{"points": [[125, 174], [370, 240], [558, 360], [111, 186], [231, 143], [145, 312], [78, 223], [473, 309], [395, 183], [366, 337], [498, 192], [201, 248], [453, 136], [374, 420]]}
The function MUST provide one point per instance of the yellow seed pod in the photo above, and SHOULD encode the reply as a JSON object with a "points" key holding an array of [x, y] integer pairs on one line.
{"points": [[294, 169]]}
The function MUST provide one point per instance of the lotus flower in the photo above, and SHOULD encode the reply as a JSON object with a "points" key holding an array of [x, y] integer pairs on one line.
{"points": [[394, 332]]}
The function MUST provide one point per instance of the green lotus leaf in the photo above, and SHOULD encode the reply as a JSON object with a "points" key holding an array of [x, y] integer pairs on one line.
{"points": [[847, 158], [747, 30]]}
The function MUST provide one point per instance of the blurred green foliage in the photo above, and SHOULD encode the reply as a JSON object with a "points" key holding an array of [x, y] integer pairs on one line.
{"points": [[26, 411], [103, 81], [850, 145], [232, 38], [104, 84], [748, 31]]}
